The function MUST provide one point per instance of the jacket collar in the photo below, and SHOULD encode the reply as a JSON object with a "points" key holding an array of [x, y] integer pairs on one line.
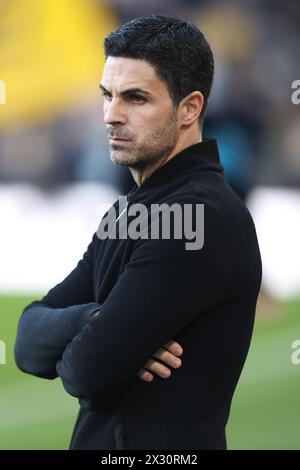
{"points": [[198, 157]]}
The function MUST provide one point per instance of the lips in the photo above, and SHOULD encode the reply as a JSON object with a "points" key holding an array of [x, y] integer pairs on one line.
{"points": [[118, 140]]}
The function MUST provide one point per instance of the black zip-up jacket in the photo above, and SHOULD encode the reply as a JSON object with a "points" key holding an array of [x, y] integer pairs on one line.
{"points": [[150, 291]]}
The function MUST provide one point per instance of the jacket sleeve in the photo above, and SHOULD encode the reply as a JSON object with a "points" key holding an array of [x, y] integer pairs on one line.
{"points": [[162, 289], [47, 326]]}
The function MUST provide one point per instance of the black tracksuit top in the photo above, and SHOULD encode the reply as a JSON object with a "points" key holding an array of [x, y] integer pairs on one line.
{"points": [[150, 291]]}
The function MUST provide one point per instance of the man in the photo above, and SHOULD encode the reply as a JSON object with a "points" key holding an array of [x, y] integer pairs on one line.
{"points": [[134, 298]]}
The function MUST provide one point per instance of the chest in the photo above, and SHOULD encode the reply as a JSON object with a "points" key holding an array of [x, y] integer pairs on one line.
{"points": [[109, 263]]}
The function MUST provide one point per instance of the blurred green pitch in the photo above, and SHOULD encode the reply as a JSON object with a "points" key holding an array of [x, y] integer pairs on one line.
{"points": [[38, 414]]}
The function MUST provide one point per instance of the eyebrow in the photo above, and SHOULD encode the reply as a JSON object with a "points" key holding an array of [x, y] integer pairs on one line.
{"points": [[127, 92]]}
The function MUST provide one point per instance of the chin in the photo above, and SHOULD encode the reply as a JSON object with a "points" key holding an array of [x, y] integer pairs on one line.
{"points": [[120, 157]]}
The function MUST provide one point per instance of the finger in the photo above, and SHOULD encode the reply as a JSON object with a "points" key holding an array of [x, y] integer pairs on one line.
{"points": [[157, 368], [145, 375], [173, 347], [168, 358]]}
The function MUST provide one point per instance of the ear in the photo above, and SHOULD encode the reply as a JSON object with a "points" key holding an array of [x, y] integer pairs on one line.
{"points": [[190, 108]]}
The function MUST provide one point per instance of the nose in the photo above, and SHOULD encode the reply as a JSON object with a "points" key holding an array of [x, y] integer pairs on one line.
{"points": [[113, 112]]}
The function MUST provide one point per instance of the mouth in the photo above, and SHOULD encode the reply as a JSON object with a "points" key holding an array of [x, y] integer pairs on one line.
{"points": [[118, 140]]}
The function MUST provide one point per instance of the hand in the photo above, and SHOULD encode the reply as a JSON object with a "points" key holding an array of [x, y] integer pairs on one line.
{"points": [[169, 355]]}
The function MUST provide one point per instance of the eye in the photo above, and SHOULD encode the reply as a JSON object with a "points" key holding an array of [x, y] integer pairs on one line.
{"points": [[137, 98], [106, 95]]}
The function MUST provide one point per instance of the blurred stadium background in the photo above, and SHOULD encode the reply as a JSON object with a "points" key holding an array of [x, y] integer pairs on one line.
{"points": [[56, 180]]}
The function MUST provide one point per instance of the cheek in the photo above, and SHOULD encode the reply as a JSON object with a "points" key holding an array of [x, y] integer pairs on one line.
{"points": [[150, 119], [105, 108]]}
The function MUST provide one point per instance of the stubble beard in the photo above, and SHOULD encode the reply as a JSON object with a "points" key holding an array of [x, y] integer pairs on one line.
{"points": [[155, 148]]}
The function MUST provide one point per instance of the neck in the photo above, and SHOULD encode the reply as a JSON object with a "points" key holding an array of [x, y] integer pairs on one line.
{"points": [[140, 175]]}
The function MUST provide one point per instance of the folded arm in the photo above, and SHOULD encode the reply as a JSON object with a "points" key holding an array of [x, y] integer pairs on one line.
{"points": [[162, 289], [47, 326]]}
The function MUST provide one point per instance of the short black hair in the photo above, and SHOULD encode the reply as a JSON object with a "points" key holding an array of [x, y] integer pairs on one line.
{"points": [[177, 49]]}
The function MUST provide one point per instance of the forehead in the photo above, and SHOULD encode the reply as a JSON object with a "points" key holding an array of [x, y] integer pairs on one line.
{"points": [[120, 73]]}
